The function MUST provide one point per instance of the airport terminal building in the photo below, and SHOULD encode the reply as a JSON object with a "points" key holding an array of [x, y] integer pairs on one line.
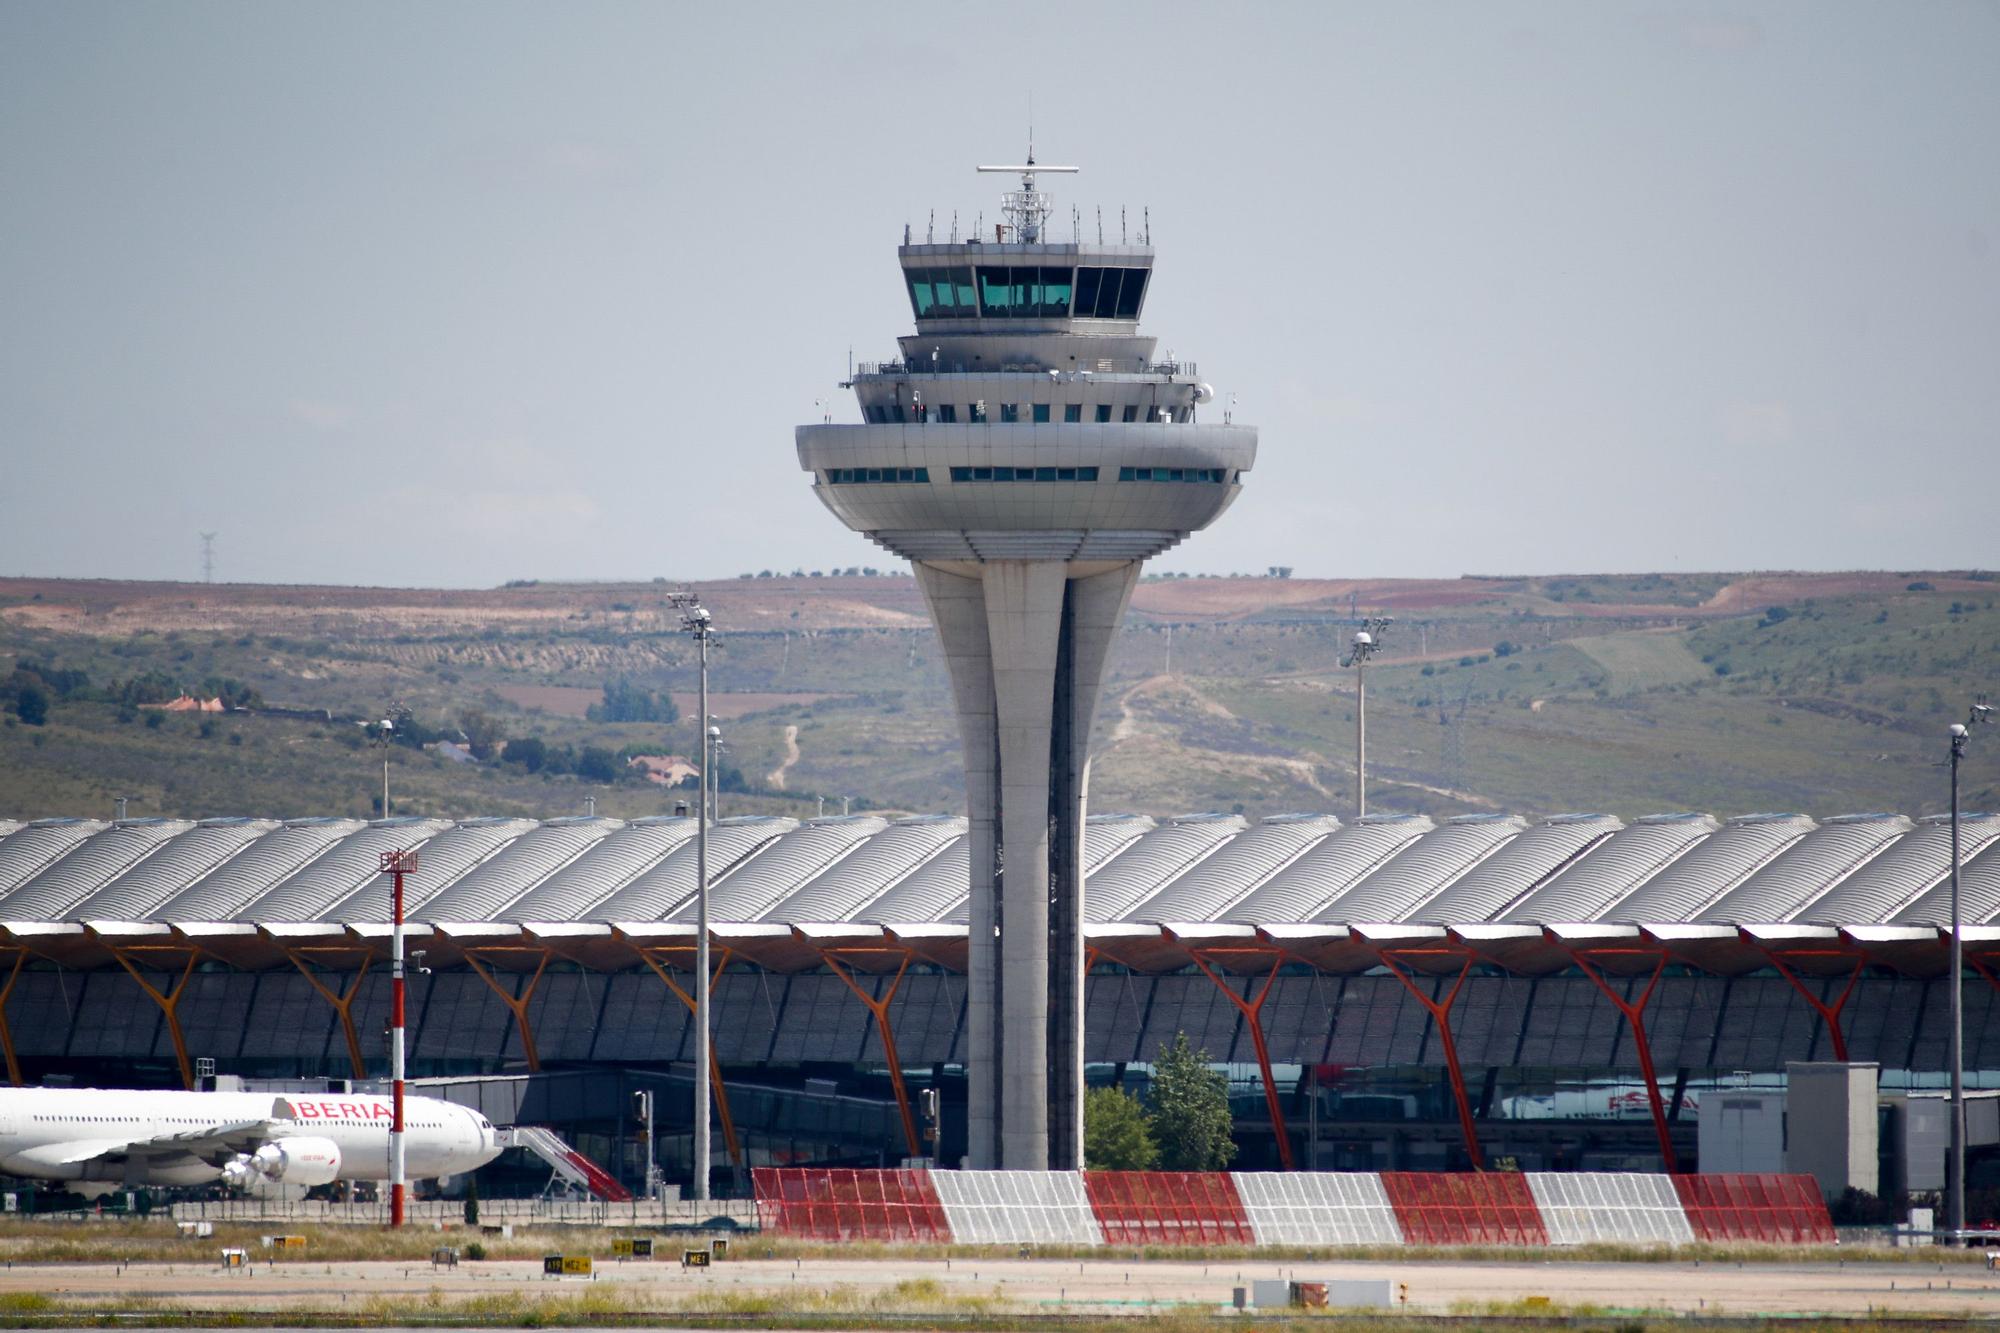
{"points": [[1389, 993]]}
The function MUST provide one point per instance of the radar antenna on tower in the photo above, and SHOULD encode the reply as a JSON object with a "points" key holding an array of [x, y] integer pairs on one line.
{"points": [[1027, 209]]}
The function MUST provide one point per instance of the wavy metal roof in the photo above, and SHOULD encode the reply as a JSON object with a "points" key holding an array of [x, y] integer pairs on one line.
{"points": [[1757, 870], [1978, 892], [137, 892], [1808, 868], [1152, 860], [1709, 869], [223, 892], [1207, 890], [666, 888], [1908, 868], [333, 876], [604, 868], [1297, 892], [929, 892], [89, 866], [1422, 869], [444, 859], [29, 848], [483, 891], [789, 862], [1516, 868], [1609, 870], [872, 869]]}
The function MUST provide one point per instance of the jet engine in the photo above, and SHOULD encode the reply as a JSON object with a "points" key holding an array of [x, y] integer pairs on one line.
{"points": [[298, 1161]]}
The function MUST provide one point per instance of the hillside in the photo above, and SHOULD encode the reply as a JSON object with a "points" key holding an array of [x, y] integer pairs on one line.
{"points": [[1824, 693]]}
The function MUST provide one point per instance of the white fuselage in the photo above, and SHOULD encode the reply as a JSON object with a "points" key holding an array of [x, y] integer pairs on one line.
{"points": [[131, 1138]]}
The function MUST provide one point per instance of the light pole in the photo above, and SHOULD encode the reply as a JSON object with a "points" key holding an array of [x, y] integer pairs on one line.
{"points": [[697, 622], [1955, 1182], [380, 737], [1367, 642], [714, 788]]}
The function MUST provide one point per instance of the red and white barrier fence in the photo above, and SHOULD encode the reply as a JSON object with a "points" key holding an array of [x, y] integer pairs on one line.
{"points": [[1285, 1208]]}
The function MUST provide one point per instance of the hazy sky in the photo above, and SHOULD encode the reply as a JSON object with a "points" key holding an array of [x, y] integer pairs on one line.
{"points": [[457, 293]]}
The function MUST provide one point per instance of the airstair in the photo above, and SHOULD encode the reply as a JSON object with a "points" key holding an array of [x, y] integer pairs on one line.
{"points": [[570, 1166]]}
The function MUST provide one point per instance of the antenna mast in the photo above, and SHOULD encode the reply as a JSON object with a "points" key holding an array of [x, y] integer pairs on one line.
{"points": [[208, 557], [1027, 209]]}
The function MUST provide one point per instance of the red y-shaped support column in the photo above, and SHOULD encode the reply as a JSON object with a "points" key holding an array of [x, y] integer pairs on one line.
{"points": [[1829, 1013], [880, 1010], [1635, 1017], [1253, 1016], [1440, 1012]]}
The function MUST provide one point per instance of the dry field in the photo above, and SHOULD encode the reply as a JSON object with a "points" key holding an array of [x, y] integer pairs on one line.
{"points": [[994, 1284]]}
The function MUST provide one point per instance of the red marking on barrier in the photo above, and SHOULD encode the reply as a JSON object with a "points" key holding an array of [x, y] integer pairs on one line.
{"points": [[1490, 1208], [838, 1204], [1168, 1208], [1785, 1210]]}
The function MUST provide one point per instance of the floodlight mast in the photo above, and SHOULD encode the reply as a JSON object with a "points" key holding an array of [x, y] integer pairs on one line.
{"points": [[1367, 642], [1982, 712], [696, 620]]}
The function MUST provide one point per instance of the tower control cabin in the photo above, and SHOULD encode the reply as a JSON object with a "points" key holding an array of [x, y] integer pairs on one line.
{"points": [[1027, 453]]}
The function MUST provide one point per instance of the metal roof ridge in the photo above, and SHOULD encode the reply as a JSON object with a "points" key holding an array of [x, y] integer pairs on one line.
{"points": [[582, 850], [944, 845]]}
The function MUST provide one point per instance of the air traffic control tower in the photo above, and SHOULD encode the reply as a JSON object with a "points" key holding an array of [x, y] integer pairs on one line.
{"points": [[1027, 453]]}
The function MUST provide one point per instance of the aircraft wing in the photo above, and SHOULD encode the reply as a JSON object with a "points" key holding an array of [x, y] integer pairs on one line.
{"points": [[72, 1153], [208, 1142], [213, 1143]]}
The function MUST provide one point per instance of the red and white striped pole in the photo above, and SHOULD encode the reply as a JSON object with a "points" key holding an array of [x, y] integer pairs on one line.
{"points": [[396, 865]]}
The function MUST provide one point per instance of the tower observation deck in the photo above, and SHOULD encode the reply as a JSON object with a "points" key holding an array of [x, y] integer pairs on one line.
{"points": [[1026, 453]]}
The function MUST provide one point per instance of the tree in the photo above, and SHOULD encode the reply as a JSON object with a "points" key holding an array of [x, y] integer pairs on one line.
{"points": [[597, 764], [32, 705], [1190, 1110], [530, 752], [1115, 1133], [482, 733], [626, 702]]}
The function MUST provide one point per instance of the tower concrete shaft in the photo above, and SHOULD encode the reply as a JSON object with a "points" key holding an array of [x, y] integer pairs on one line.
{"points": [[1026, 643], [1027, 453]]}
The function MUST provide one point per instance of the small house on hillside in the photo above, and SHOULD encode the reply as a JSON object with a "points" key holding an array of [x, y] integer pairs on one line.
{"points": [[668, 770]]}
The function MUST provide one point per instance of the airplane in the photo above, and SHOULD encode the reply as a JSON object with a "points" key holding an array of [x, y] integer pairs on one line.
{"points": [[268, 1145]]}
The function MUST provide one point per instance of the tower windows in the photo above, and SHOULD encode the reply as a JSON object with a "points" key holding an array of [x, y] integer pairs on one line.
{"points": [[1021, 291], [941, 293], [1041, 413], [1210, 475], [974, 474], [1104, 411], [876, 476], [1110, 293], [1072, 412], [1010, 412]]}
